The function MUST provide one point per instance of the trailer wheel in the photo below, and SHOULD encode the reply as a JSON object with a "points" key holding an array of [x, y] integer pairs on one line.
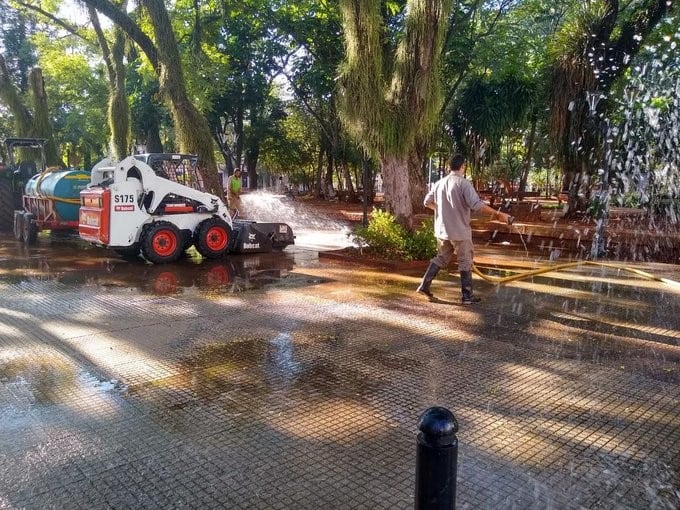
{"points": [[161, 242], [212, 238], [30, 229], [19, 225], [7, 205]]}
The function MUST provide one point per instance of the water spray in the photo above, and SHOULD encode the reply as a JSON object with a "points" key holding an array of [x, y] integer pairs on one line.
{"points": [[499, 280]]}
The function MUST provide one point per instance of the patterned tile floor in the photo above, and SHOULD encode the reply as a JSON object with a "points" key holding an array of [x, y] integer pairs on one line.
{"points": [[295, 382]]}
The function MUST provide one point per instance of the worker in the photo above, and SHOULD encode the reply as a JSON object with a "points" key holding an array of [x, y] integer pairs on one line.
{"points": [[453, 198], [234, 193]]}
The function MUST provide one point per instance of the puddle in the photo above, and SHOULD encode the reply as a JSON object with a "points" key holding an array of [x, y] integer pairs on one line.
{"points": [[50, 380], [73, 263], [243, 369]]}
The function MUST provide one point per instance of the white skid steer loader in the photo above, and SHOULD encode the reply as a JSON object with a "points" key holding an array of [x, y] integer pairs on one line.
{"points": [[131, 209]]}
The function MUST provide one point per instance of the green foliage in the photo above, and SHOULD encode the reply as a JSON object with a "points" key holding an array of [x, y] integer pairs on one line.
{"points": [[383, 235], [77, 94], [294, 148], [421, 243], [386, 238]]}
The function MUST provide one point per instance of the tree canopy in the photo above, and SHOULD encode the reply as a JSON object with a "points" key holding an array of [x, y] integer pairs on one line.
{"points": [[321, 90]]}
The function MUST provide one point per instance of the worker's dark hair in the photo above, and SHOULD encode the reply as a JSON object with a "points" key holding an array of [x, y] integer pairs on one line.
{"points": [[456, 161]]}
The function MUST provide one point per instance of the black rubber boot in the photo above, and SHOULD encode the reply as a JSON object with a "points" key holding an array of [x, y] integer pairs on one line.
{"points": [[466, 288], [424, 287]]}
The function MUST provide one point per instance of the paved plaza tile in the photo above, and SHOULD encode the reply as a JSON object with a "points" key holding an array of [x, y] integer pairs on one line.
{"points": [[305, 391]]}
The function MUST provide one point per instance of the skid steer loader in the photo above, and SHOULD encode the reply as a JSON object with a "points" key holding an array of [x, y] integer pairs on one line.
{"points": [[133, 208]]}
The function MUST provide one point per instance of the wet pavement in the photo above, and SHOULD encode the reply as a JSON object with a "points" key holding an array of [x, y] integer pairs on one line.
{"points": [[290, 380]]}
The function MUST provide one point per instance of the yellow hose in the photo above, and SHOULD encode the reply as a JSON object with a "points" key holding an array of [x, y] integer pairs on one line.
{"points": [[74, 201], [42, 175], [499, 280]]}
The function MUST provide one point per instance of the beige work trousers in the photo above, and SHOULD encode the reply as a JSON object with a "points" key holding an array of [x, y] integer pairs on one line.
{"points": [[234, 203], [446, 249]]}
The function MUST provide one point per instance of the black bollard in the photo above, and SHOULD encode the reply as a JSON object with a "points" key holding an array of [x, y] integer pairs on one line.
{"points": [[436, 460]]}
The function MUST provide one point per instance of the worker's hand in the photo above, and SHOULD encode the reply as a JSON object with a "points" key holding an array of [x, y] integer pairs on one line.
{"points": [[505, 218]]}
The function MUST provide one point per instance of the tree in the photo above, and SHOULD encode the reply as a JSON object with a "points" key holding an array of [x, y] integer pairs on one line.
{"points": [[119, 108], [59, 44], [316, 29], [239, 55], [293, 148], [391, 92], [34, 123], [16, 30], [10, 95], [20, 79], [191, 127]]}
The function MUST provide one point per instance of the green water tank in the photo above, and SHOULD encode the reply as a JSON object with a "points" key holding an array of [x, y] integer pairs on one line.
{"points": [[63, 188]]}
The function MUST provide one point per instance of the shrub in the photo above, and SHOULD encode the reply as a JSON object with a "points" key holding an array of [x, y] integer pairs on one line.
{"points": [[382, 236], [421, 243], [386, 238]]}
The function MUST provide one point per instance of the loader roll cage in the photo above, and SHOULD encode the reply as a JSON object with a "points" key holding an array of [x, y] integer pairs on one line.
{"points": [[179, 168], [23, 170]]}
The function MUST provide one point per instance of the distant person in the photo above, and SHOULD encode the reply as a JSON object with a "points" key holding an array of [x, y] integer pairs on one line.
{"points": [[234, 193], [453, 198]]}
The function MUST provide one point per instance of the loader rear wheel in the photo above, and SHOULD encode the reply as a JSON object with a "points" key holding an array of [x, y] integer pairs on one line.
{"points": [[212, 238], [19, 225], [30, 230], [161, 242], [7, 205]]}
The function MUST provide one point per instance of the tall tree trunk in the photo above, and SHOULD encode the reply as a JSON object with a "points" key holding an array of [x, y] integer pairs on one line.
{"points": [[529, 157], [191, 127], [238, 131], [349, 188], [416, 174], [42, 126], [87, 157], [319, 169], [11, 97], [153, 137], [119, 108], [252, 155], [398, 189], [329, 191]]}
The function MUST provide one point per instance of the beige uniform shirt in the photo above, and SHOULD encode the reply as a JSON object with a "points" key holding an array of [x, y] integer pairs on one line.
{"points": [[454, 198]]}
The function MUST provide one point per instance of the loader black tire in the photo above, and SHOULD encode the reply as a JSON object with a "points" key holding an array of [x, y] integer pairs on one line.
{"points": [[19, 225], [212, 238], [161, 242], [7, 206], [30, 230]]}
